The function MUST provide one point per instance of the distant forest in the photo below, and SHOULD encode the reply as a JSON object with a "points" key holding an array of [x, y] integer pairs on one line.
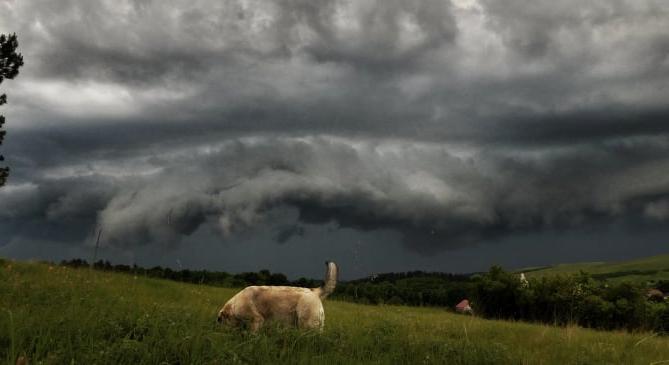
{"points": [[560, 299]]}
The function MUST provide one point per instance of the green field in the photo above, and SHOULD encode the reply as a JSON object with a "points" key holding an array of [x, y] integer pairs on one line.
{"points": [[59, 315], [643, 270]]}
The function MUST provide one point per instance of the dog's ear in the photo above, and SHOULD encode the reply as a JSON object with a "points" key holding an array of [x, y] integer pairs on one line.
{"points": [[222, 314], [227, 311]]}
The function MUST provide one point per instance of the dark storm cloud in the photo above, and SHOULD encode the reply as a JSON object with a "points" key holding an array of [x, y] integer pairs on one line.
{"points": [[447, 122], [435, 196], [420, 70], [157, 42], [285, 233]]}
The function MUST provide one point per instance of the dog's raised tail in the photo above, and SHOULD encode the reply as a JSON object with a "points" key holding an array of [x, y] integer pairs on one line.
{"points": [[330, 281]]}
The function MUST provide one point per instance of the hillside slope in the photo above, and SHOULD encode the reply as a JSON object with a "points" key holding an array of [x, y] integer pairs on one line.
{"points": [[644, 269], [57, 315]]}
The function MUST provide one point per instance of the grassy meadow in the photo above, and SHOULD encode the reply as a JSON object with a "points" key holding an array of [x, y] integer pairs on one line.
{"points": [[59, 315], [645, 269]]}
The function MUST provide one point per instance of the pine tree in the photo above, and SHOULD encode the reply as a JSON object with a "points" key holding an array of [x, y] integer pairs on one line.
{"points": [[10, 61]]}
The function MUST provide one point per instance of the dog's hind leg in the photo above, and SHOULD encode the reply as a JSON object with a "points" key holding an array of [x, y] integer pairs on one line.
{"points": [[310, 314]]}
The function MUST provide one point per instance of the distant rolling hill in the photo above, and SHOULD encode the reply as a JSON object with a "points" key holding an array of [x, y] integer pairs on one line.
{"points": [[646, 269]]}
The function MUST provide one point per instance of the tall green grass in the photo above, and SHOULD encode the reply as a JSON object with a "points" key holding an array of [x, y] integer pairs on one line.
{"points": [[57, 315]]}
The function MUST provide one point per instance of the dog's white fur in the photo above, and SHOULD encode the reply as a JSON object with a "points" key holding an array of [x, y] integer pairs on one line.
{"points": [[293, 306]]}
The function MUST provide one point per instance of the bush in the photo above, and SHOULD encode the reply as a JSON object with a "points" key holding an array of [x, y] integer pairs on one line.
{"points": [[568, 299]]}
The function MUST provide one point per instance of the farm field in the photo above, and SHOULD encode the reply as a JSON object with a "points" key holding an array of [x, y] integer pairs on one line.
{"points": [[645, 269], [59, 315]]}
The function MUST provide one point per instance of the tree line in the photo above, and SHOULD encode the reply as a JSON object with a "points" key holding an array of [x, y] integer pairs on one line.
{"points": [[214, 278]]}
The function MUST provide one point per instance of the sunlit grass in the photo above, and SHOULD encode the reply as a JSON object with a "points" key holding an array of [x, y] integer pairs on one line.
{"points": [[58, 315]]}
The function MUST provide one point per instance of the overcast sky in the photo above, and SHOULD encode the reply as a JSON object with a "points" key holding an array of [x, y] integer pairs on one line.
{"points": [[386, 135]]}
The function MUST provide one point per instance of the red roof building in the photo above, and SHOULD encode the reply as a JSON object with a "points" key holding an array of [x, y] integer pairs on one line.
{"points": [[463, 307]]}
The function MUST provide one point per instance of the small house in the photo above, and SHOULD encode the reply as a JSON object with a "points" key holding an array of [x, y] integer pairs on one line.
{"points": [[463, 307]]}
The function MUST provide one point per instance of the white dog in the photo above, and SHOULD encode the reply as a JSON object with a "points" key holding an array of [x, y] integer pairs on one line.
{"points": [[301, 307]]}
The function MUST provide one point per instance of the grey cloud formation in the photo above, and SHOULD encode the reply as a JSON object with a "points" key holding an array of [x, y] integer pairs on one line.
{"points": [[449, 123], [415, 69], [436, 196]]}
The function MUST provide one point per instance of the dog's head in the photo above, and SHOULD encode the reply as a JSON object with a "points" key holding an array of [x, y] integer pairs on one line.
{"points": [[221, 316], [224, 315]]}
